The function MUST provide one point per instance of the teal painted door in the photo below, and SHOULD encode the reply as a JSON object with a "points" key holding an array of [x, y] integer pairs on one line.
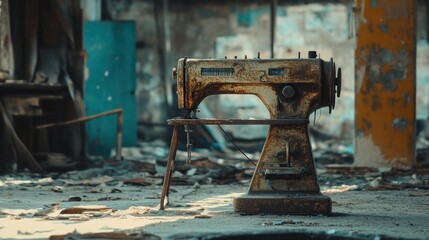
{"points": [[110, 83]]}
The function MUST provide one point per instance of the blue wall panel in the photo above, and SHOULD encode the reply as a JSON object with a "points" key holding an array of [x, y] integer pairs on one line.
{"points": [[111, 82]]}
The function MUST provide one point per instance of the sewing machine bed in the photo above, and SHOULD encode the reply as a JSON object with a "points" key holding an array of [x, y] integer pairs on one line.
{"points": [[212, 121]]}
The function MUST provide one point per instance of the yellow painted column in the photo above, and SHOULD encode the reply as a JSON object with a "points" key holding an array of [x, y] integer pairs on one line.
{"points": [[385, 86]]}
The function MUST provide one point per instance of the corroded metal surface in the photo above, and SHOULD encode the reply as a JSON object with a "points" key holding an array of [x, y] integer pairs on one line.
{"points": [[252, 76], [181, 121], [285, 178], [385, 83], [283, 204]]}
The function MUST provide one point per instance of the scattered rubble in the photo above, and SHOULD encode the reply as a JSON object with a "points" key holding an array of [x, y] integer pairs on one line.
{"points": [[112, 178], [145, 166]]}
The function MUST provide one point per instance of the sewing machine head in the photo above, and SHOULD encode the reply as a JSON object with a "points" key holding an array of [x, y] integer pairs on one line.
{"points": [[287, 87]]}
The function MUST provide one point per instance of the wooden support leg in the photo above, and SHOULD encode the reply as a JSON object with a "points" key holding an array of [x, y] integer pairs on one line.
{"points": [[170, 166]]}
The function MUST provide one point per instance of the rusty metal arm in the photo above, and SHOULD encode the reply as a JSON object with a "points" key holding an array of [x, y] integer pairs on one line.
{"points": [[118, 111], [208, 121]]}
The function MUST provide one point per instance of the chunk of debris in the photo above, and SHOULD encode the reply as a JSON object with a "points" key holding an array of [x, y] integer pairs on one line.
{"points": [[96, 190], [340, 189], [375, 183], [79, 210], [109, 198], [188, 212], [137, 181], [74, 199], [91, 182], [133, 210], [57, 189], [48, 209]]}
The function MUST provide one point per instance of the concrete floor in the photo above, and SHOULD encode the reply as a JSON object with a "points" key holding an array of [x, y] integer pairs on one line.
{"points": [[403, 214]]}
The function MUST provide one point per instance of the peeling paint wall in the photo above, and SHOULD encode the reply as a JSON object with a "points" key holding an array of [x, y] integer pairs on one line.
{"points": [[150, 90], [209, 29], [227, 31], [203, 29], [299, 28], [325, 29]]}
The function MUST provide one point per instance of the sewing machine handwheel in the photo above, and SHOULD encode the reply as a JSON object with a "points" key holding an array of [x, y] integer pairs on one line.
{"points": [[338, 82], [332, 88]]}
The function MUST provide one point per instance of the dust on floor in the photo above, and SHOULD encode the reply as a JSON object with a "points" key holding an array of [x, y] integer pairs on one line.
{"points": [[195, 209]]}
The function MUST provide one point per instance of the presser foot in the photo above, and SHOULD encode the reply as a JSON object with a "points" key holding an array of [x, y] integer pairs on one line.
{"points": [[283, 203]]}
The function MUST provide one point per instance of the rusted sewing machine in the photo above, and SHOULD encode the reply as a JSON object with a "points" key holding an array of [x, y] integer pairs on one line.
{"points": [[285, 179]]}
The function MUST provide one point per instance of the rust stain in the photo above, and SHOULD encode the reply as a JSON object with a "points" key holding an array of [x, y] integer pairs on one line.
{"points": [[385, 83]]}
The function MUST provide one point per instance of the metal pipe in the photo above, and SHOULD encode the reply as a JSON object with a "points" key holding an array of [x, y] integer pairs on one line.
{"points": [[205, 121], [119, 135], [120, 121], [273, 25]]}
